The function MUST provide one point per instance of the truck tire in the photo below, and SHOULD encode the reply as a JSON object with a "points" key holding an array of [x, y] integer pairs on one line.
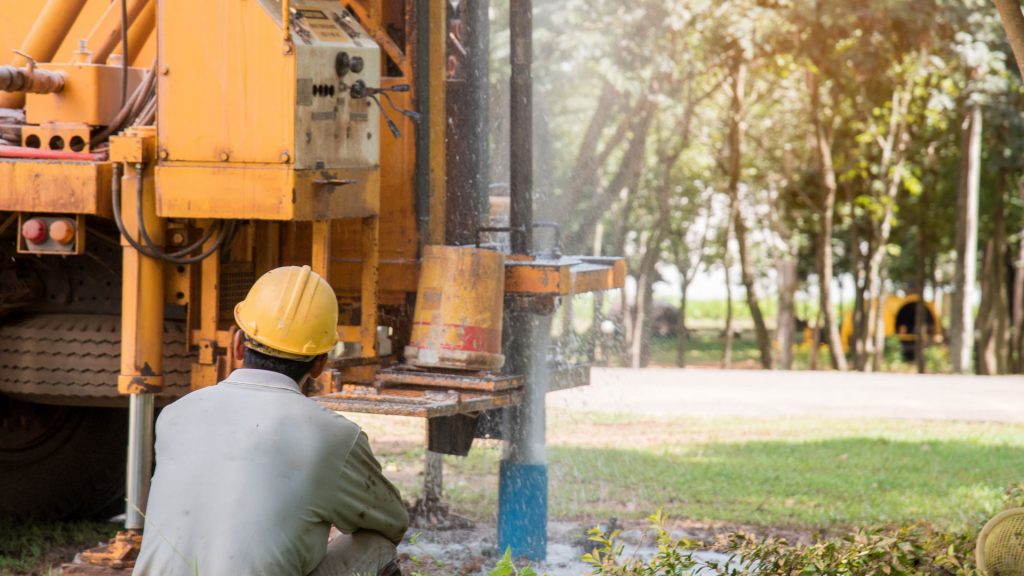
{"points": [[60, 462], [63, 426], [74, 360]]}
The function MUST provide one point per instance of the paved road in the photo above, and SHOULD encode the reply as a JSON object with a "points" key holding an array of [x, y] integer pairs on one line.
{"points": [[704, 392]]}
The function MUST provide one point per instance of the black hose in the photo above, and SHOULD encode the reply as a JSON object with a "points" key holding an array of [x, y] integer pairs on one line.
{"points": [[115, 193], [124, 52], [144, 234]]}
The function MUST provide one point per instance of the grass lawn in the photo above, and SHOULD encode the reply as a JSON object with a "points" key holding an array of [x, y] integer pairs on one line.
{"points": [[704, 348], [803, 474]]}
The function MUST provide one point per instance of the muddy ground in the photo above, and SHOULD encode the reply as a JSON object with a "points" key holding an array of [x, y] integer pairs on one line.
{"points": [[473, 551]]}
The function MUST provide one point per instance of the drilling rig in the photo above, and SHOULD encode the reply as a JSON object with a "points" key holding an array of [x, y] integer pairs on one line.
{"points": [[158, 156]]}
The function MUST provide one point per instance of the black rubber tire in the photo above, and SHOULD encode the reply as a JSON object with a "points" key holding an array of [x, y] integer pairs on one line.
{"points": [[74, 359], [60, 457], [61, 462]]}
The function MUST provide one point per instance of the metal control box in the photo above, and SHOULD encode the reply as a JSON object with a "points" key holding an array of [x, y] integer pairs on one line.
{"points": [[334, 56], [259, 122]]}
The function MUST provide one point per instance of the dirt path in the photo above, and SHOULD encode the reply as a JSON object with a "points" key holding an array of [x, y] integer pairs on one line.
{"points": [[756, 393]]}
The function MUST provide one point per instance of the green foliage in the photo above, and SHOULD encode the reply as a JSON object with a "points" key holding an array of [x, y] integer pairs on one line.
{"points": [[506, 567], [894, 352], [913, 550], [1015, 496], [675, 557], [936, 360], [637, 101], [33, 546]]}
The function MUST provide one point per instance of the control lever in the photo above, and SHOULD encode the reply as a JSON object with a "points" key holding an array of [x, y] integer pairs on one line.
{"points": [[361, 90]]}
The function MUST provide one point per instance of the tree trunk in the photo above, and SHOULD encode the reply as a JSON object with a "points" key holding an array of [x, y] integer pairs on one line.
{"points": [[682, 335], [630, 170], [596, 335], [993, 311], [890, 170], [879, 327], [859, 315], [584, 177], [1002, 302], [985, 324], [1017, 338], [827, 214], [815, 341], [644, 285], [962, 318], [1013, 23], [620, 248], [785, 324], [727, 345], [736, 127], [921, 332]]}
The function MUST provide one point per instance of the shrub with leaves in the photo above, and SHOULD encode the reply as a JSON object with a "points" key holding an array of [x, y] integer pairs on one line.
{"points": [[675, 557], [913, 550]]}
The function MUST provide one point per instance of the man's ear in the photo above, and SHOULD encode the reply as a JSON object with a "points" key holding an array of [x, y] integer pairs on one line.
{"points": [[238, 346], [319, 363]]}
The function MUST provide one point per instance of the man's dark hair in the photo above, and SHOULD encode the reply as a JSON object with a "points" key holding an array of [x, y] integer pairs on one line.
{"points": [[294, 369]]}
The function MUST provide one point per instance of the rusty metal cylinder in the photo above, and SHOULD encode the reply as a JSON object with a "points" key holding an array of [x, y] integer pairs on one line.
{"points": [[36, 81], [106, 35], [457, 322]]}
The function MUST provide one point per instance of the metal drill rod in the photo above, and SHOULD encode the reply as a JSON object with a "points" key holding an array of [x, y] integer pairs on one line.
{"points": [[521, 126], [140, 458]]}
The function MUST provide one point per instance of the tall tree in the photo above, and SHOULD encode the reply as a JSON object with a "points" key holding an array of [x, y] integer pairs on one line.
{"points": [[737, 110], [961, 346]]}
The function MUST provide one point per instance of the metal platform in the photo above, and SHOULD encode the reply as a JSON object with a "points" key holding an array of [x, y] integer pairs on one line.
{"points": [[417, 403], [402, 390], [563, 276], [403, 375]]}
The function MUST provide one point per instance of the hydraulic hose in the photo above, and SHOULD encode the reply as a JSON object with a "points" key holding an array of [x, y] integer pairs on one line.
{"points": [[115, 189], [144, 234]]}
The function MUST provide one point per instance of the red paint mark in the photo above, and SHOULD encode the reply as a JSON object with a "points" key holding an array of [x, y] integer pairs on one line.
{"points": [[470, 338]]}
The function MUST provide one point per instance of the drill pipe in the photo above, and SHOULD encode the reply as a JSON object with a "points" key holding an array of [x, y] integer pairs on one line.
{"points": [[14, 79]]}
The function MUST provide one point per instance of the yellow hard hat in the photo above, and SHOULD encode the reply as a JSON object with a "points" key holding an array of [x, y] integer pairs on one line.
{"points": [[290, 312]]}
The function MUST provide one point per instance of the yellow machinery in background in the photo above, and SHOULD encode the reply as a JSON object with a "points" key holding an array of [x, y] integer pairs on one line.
{"points": [[899, 318], [158, 156]]}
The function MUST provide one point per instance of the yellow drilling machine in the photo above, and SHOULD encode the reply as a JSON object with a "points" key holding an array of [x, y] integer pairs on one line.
{"points": [[156, 156]]}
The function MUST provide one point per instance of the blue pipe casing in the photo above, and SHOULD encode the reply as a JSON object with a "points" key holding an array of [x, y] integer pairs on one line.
{"points": [[523, 510]]}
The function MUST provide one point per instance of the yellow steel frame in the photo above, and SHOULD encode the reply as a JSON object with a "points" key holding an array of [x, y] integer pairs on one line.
{"points": [[57, 187], [364, 241], [142, 289]]}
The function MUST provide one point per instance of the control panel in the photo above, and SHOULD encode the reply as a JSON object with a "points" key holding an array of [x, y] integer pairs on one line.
{"points": [[337, 123]]}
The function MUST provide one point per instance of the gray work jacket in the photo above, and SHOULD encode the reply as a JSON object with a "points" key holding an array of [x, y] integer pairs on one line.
{"points": [[250, 474]]}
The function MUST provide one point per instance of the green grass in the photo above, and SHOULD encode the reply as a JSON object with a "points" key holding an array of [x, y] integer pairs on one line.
{"points": [[29, 547], [798, 474], [811, 485], [703, 348], [791, 474], [716, 309]]}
